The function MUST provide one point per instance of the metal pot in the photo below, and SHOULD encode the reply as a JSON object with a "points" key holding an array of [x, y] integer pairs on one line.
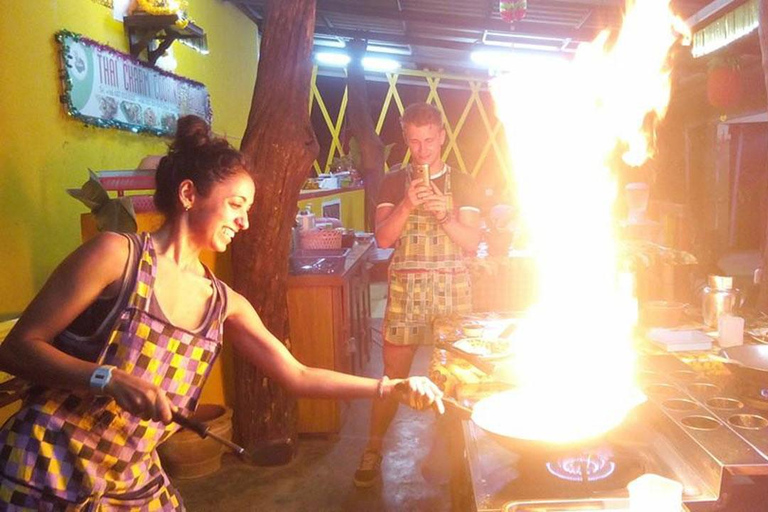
{"points": [[719, 297]]}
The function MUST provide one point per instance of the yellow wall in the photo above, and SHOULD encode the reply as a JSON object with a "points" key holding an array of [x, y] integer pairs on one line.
{"points": [[352, 207], [43, 152]]}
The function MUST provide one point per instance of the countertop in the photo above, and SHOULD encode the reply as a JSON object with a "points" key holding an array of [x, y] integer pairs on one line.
{"points": [[358, 254]]}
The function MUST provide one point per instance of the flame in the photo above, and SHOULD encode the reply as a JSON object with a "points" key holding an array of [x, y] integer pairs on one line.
{"points": [[564, 121]]}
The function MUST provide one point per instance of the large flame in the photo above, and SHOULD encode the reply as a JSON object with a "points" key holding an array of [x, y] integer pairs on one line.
{"points": [[564, 121]]}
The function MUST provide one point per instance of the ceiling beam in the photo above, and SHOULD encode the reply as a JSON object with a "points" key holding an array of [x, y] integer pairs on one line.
{"points": [[476, 23], [716, 8], [395, 38]]}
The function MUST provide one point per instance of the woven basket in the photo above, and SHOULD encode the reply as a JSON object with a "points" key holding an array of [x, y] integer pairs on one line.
{"points": [[321, 239]]}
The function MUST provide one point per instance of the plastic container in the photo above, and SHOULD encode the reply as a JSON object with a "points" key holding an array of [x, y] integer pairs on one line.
{"points": [[654, 493], [730, 331], [637, 201], [315, 239], [305, 220]]}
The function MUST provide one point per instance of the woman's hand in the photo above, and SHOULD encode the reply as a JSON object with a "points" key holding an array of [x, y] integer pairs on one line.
{"points": [[139, 397], [418, 392]]}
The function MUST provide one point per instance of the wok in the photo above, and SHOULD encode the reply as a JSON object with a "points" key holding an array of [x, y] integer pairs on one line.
{"points": [[512, 431], [749, 365]]}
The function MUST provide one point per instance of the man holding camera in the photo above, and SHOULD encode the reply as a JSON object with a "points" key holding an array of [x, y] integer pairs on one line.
{"points": [[429, 213]]}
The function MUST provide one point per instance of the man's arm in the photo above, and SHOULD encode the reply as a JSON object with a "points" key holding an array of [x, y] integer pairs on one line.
{"points": [[463, 230], [390, 220]]}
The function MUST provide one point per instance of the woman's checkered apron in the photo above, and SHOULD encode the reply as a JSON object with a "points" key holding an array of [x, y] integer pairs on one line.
{"points": [[75, 451], [427, 277]]}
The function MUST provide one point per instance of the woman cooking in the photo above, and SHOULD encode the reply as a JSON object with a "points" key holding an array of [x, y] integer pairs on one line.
{"points": [[125, 332]]}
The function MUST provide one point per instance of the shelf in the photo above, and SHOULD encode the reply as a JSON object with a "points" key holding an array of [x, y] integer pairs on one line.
{"points": [[142, 29]]}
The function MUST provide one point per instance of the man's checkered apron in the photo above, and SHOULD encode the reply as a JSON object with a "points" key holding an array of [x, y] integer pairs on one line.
{"points": [[75, 451], [427, 277]]}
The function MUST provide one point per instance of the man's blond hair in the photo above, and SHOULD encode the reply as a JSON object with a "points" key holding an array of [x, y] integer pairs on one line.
{"points": [[421, 114]]}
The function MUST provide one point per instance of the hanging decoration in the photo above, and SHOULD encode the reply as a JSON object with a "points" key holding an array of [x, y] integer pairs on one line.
{"points": [[164, 8], [513, 11], [734, 24], [724, 86]]}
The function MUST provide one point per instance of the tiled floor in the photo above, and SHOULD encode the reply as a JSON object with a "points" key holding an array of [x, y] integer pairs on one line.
{"points": [[320, 478]]}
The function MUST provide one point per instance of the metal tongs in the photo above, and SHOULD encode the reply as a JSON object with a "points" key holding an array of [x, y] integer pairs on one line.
{"points": [[204, 431]]}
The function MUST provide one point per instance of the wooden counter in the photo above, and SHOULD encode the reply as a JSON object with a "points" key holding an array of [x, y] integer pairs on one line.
{"points": [[330, 328]]}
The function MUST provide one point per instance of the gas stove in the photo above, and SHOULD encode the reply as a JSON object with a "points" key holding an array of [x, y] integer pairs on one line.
{"points": [[690, 430]]}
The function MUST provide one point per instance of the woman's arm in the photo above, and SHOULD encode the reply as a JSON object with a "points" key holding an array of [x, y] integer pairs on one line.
{"points": [[254, 342], [77, 282]]}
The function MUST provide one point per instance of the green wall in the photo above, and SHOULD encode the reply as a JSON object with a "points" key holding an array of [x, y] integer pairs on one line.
{"points": [[43, 151]]}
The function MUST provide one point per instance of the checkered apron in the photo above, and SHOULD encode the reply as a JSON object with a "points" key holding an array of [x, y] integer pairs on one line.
{"points": [[76, 451], [427, 277]]}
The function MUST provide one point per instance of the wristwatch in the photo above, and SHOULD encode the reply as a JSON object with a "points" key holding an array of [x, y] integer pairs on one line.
{"points": [[101, 377]]}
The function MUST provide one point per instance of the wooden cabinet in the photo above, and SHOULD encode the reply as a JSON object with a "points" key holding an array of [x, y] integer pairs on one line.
{"points": [[330, 328]]}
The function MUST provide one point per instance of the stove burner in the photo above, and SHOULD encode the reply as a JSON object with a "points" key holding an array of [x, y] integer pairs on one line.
{"points": [[587, 467]]}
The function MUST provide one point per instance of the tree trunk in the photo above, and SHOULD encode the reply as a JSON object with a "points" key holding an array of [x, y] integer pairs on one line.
{"points": [[363, 130], [762, 302], [281, 146]]}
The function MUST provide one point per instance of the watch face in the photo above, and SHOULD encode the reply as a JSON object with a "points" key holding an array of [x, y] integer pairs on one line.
{"points": [[101, 377]]}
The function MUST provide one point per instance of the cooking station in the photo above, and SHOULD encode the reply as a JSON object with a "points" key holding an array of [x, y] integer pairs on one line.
{"points": [[696, 431]]}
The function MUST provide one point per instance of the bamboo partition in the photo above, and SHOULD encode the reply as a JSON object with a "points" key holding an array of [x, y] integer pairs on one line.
{"points": [[479, 148]]}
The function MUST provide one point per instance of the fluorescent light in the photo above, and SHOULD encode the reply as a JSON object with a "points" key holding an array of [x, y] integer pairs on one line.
{"points": [[332, 59], [380, 64], [391, 49], [537, 47], [492, 58], [507, 60], [330, 42], [341, 60]]}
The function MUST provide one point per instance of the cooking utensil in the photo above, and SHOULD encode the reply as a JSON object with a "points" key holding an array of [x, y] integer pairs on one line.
{"points": [[511, 431], [748, 363], [508, 330], [662, 313], [204, 431], [273, 452]]}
